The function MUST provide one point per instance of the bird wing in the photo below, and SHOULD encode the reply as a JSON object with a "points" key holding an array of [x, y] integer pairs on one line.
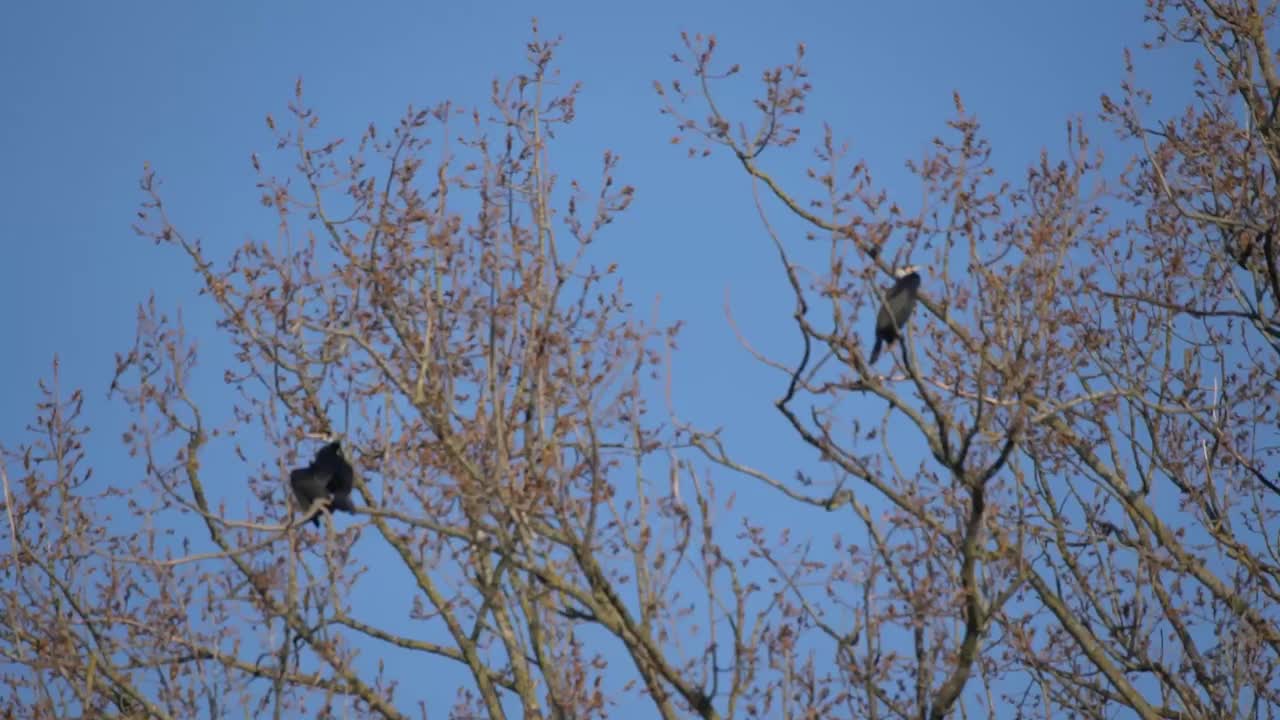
{"points": [[340, 476], [340, 485], [306, 486]]}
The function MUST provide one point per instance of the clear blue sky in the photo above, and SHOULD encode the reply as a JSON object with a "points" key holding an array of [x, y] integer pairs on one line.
{"points": [[94, 90]]}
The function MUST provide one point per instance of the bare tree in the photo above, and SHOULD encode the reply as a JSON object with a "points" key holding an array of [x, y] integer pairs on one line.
{"points": [[1060, 485], [430, 299], [1063, 485]]}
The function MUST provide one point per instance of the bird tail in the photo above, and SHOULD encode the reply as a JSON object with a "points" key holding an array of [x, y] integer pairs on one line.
{"points": [[875, 352]]}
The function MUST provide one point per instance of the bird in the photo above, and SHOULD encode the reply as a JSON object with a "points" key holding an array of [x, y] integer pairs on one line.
{"points": [[329, 477], [898, 303]]}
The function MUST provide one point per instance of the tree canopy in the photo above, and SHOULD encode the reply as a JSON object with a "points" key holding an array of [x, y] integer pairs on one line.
{"points": [[1058, 497]]}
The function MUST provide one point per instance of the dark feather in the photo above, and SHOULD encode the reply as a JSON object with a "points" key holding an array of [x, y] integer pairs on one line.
{"points": [[899, 302], [328, 476]]}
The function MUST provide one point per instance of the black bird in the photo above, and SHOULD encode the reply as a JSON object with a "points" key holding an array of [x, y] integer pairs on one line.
{"points": [[899, 301], [328, 476]]}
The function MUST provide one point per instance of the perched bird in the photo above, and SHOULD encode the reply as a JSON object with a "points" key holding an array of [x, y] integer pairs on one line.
{"points": [[328, 476], [899, 301]]}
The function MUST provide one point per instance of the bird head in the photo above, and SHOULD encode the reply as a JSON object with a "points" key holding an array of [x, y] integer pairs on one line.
{"points": [[905, 271]]}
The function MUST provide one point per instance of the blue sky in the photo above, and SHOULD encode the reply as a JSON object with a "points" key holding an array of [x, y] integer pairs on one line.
{"points": [[94, 90]]}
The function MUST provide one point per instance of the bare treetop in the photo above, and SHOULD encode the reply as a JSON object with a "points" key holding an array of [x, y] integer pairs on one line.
{"points": [[1055, 490]]}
